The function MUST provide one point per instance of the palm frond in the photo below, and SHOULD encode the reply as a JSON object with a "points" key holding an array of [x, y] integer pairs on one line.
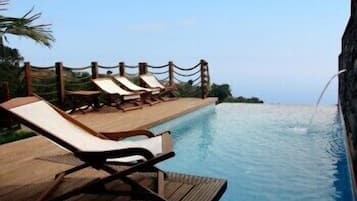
{"points": [[25, 27]]}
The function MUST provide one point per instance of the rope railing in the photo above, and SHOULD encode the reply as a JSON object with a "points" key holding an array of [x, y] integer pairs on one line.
{"points": [[160, 73], [131, 74], [187, 75], [188, 80], [196, 79], [162, 66], [129, 66], [48, 85], [79, 84], [179, 80], [164, 79], [107, 67], [42, 67], [46, 93], [76, 79], [195, 84], [38, 78], [60, 77], [187, 69], [71, 68]]}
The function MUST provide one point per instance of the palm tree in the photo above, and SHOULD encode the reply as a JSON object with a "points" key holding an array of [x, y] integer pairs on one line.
{"points": [[25, 27]]}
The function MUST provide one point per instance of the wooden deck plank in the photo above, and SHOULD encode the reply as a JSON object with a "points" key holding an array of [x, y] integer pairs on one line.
{"points": [[181, 192], [203, 192], [171, 187]]}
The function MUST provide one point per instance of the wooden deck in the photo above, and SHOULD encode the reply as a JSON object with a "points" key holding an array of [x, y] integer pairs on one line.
{"points": [[111, 119], [23, 176]]}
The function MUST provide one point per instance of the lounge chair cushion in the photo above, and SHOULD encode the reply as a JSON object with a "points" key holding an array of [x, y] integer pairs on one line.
{"points": [[110, 87], [127, 83], [152, 81], [43, 115]]}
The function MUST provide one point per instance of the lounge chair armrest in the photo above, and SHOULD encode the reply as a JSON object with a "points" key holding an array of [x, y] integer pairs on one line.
{"points": [[157, 88], [164, 132], [99, 157], [125, 134]]}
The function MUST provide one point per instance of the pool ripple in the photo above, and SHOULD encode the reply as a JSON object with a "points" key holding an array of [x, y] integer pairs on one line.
{"points": [[266, 152]]}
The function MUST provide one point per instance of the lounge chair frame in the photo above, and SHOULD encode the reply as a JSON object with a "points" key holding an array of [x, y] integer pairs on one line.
{"points": [[97, 160]]}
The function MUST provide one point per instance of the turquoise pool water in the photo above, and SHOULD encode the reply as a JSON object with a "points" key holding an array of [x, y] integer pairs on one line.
{"points": [[266, 152]]}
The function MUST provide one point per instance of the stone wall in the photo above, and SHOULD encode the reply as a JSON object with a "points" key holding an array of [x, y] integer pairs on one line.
{"points": [[348, 82]]}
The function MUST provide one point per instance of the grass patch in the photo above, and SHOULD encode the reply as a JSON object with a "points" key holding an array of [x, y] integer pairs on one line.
{"points": [[14, 135]]}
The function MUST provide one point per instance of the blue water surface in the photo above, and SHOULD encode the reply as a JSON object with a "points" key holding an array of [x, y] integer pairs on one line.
{"points": [[266, 152]]}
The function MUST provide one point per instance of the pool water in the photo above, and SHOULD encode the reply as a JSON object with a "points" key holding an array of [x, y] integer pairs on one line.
{"points": [[266, 152]]}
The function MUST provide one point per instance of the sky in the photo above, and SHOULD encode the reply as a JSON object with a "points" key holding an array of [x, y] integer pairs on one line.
{"points": [[282, 51]]}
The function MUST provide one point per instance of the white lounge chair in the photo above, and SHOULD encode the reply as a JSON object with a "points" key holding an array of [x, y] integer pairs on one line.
{"points": [[151, 93], [165, 91], [118, 95], [95, 149]]}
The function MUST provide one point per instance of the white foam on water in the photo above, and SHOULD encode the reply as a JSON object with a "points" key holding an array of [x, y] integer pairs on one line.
{"points": [[298, 130]]}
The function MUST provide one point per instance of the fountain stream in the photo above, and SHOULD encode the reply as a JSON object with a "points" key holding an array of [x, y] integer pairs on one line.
{"points": [[322, 94]]}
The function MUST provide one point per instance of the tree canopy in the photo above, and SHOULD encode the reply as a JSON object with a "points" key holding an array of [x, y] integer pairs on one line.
{"points": [[222, 91]]}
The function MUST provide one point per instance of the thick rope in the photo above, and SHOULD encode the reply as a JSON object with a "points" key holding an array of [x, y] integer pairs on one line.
{"points": [[164, 79], [187, 69], [195, 84], [76, 68], [108, 67], [128, 66], [160, 73], [187, 75], [41, 67], [199, 77], [163, 66], [178, 80]]}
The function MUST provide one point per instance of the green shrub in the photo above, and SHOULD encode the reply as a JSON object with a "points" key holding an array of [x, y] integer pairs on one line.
{"points": [[14, 135]]}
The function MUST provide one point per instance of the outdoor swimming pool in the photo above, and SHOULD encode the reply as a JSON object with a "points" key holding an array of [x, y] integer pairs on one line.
{"points": [[266, 152]]}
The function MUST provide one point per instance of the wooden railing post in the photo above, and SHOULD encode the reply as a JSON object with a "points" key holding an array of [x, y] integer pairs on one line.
{"points": [[5, 121], [94, 65], [121, 68], [141, 72], [171, 73], [28, 78], [6, 90], [204, 77], [60, 83], [145, 68]]}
